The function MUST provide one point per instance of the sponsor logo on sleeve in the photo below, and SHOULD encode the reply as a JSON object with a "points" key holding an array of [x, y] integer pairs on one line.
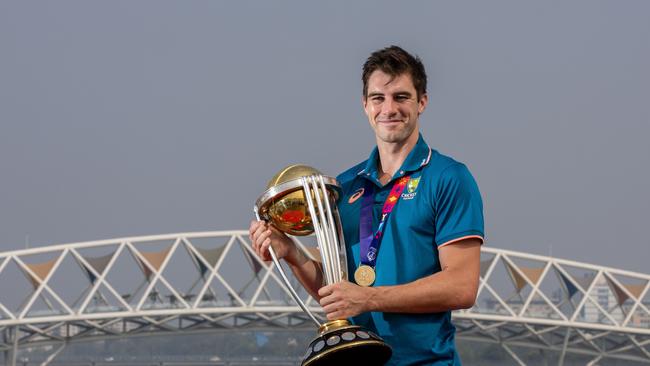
{"points": [[356, 196]]}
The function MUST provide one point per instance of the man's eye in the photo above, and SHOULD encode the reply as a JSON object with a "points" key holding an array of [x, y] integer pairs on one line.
{"points": [[401, 98], [377, 99]]}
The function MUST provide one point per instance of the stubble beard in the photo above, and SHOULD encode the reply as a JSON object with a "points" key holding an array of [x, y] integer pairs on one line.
{"points": [[396, 136]]}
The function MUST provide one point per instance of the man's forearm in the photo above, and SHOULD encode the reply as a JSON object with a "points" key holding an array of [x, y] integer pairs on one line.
{"points": [[439, 292], [307, 271], [454, 287]]}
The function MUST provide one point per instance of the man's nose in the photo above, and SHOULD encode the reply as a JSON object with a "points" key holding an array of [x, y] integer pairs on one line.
{"points": [[389, 107]]}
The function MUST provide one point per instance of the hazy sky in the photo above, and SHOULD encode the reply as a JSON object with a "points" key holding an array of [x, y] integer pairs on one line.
{"points": [[123, 118]]}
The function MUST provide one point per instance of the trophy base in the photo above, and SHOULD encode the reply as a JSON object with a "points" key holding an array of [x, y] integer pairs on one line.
{"points": [[339, 343]]}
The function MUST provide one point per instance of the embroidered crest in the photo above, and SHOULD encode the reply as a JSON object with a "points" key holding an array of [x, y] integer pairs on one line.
{"points": [[413, 185], [411, 189]]}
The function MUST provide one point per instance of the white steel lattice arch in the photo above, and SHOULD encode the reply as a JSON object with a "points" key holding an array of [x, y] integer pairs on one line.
{"points": [[206, 280]]}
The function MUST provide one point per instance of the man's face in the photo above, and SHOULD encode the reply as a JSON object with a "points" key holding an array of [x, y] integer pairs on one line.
{"points": [[392, 106]]}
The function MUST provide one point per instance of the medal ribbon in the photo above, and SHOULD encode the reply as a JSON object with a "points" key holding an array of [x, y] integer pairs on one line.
{"points": [[369, 241]]}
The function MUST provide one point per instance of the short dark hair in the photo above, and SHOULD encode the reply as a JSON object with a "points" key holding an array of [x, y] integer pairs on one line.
{"points": [[394, 61]]}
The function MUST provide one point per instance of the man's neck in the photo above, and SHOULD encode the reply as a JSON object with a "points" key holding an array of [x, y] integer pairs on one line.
{"points": [[392, 156]]}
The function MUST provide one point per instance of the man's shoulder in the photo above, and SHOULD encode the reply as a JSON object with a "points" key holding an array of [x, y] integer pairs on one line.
{"points": [[445, 174], [440, 163], [351, 173]]}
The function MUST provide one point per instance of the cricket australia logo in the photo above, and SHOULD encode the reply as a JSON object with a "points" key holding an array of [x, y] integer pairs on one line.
{"points": [[411, 188]]}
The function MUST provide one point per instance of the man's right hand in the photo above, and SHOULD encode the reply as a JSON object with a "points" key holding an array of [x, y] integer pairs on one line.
{"points": [[263, 235]]}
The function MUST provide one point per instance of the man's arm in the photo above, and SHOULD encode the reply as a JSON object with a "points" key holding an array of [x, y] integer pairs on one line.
{"points": [[454, 287], [307, 271]]}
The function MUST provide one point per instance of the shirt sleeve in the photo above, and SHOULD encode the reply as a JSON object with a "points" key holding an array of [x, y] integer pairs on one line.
{"points": [[459, 208]]}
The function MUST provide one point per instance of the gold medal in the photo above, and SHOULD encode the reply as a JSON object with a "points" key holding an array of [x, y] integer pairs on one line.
{"points": [[364, 275]]}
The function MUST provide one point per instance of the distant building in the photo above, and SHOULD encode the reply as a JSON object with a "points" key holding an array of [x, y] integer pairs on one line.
{"points": [[602, 294]]}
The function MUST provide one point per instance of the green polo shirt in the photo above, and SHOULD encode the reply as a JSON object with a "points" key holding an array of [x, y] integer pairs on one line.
{"points": [[440, 205]]}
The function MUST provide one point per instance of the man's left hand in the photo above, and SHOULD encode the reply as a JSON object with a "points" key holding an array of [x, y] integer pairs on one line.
{"points": [[344, 299]]}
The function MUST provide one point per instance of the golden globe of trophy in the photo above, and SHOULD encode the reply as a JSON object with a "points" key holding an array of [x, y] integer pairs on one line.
{"points": [[300, 201]]}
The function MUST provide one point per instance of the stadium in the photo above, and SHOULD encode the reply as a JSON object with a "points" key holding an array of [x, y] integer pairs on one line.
{"points": [[204, 298]]}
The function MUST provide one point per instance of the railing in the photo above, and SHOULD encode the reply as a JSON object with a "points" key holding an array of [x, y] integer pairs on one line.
{"points": [[203, 280]]}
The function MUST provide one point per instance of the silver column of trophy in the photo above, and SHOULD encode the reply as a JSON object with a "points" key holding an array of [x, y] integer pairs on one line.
{"points": [[299, 201]]}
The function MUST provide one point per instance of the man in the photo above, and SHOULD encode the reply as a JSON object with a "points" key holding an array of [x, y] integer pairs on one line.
{"points": [[421, 222]]}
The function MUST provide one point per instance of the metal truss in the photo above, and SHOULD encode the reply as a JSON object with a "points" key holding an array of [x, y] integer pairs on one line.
{"points": [[563, 307], [193, 282]]}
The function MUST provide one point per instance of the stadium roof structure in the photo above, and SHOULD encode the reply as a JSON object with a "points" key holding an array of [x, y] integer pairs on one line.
{"points": [[202, 281]]}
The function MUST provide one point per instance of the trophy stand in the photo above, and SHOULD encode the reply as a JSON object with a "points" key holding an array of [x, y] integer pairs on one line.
{"points": [[300, 201]]}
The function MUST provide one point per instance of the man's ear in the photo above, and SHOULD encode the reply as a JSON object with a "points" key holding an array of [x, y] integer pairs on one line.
{"points": [[422, 103]]}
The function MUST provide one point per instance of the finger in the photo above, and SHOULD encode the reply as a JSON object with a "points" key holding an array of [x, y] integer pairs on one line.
{"points": [[253, 242], [251, 230], [256, 233], [260, 229], [261, 238], [254, 225], [331, 308], [258, 248], [335, 316], [328, 300], [325, 291], [256, 245], [264, 247]]}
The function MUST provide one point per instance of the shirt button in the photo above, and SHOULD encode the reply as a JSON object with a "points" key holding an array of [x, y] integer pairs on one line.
{"points": [[401, 172]]}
